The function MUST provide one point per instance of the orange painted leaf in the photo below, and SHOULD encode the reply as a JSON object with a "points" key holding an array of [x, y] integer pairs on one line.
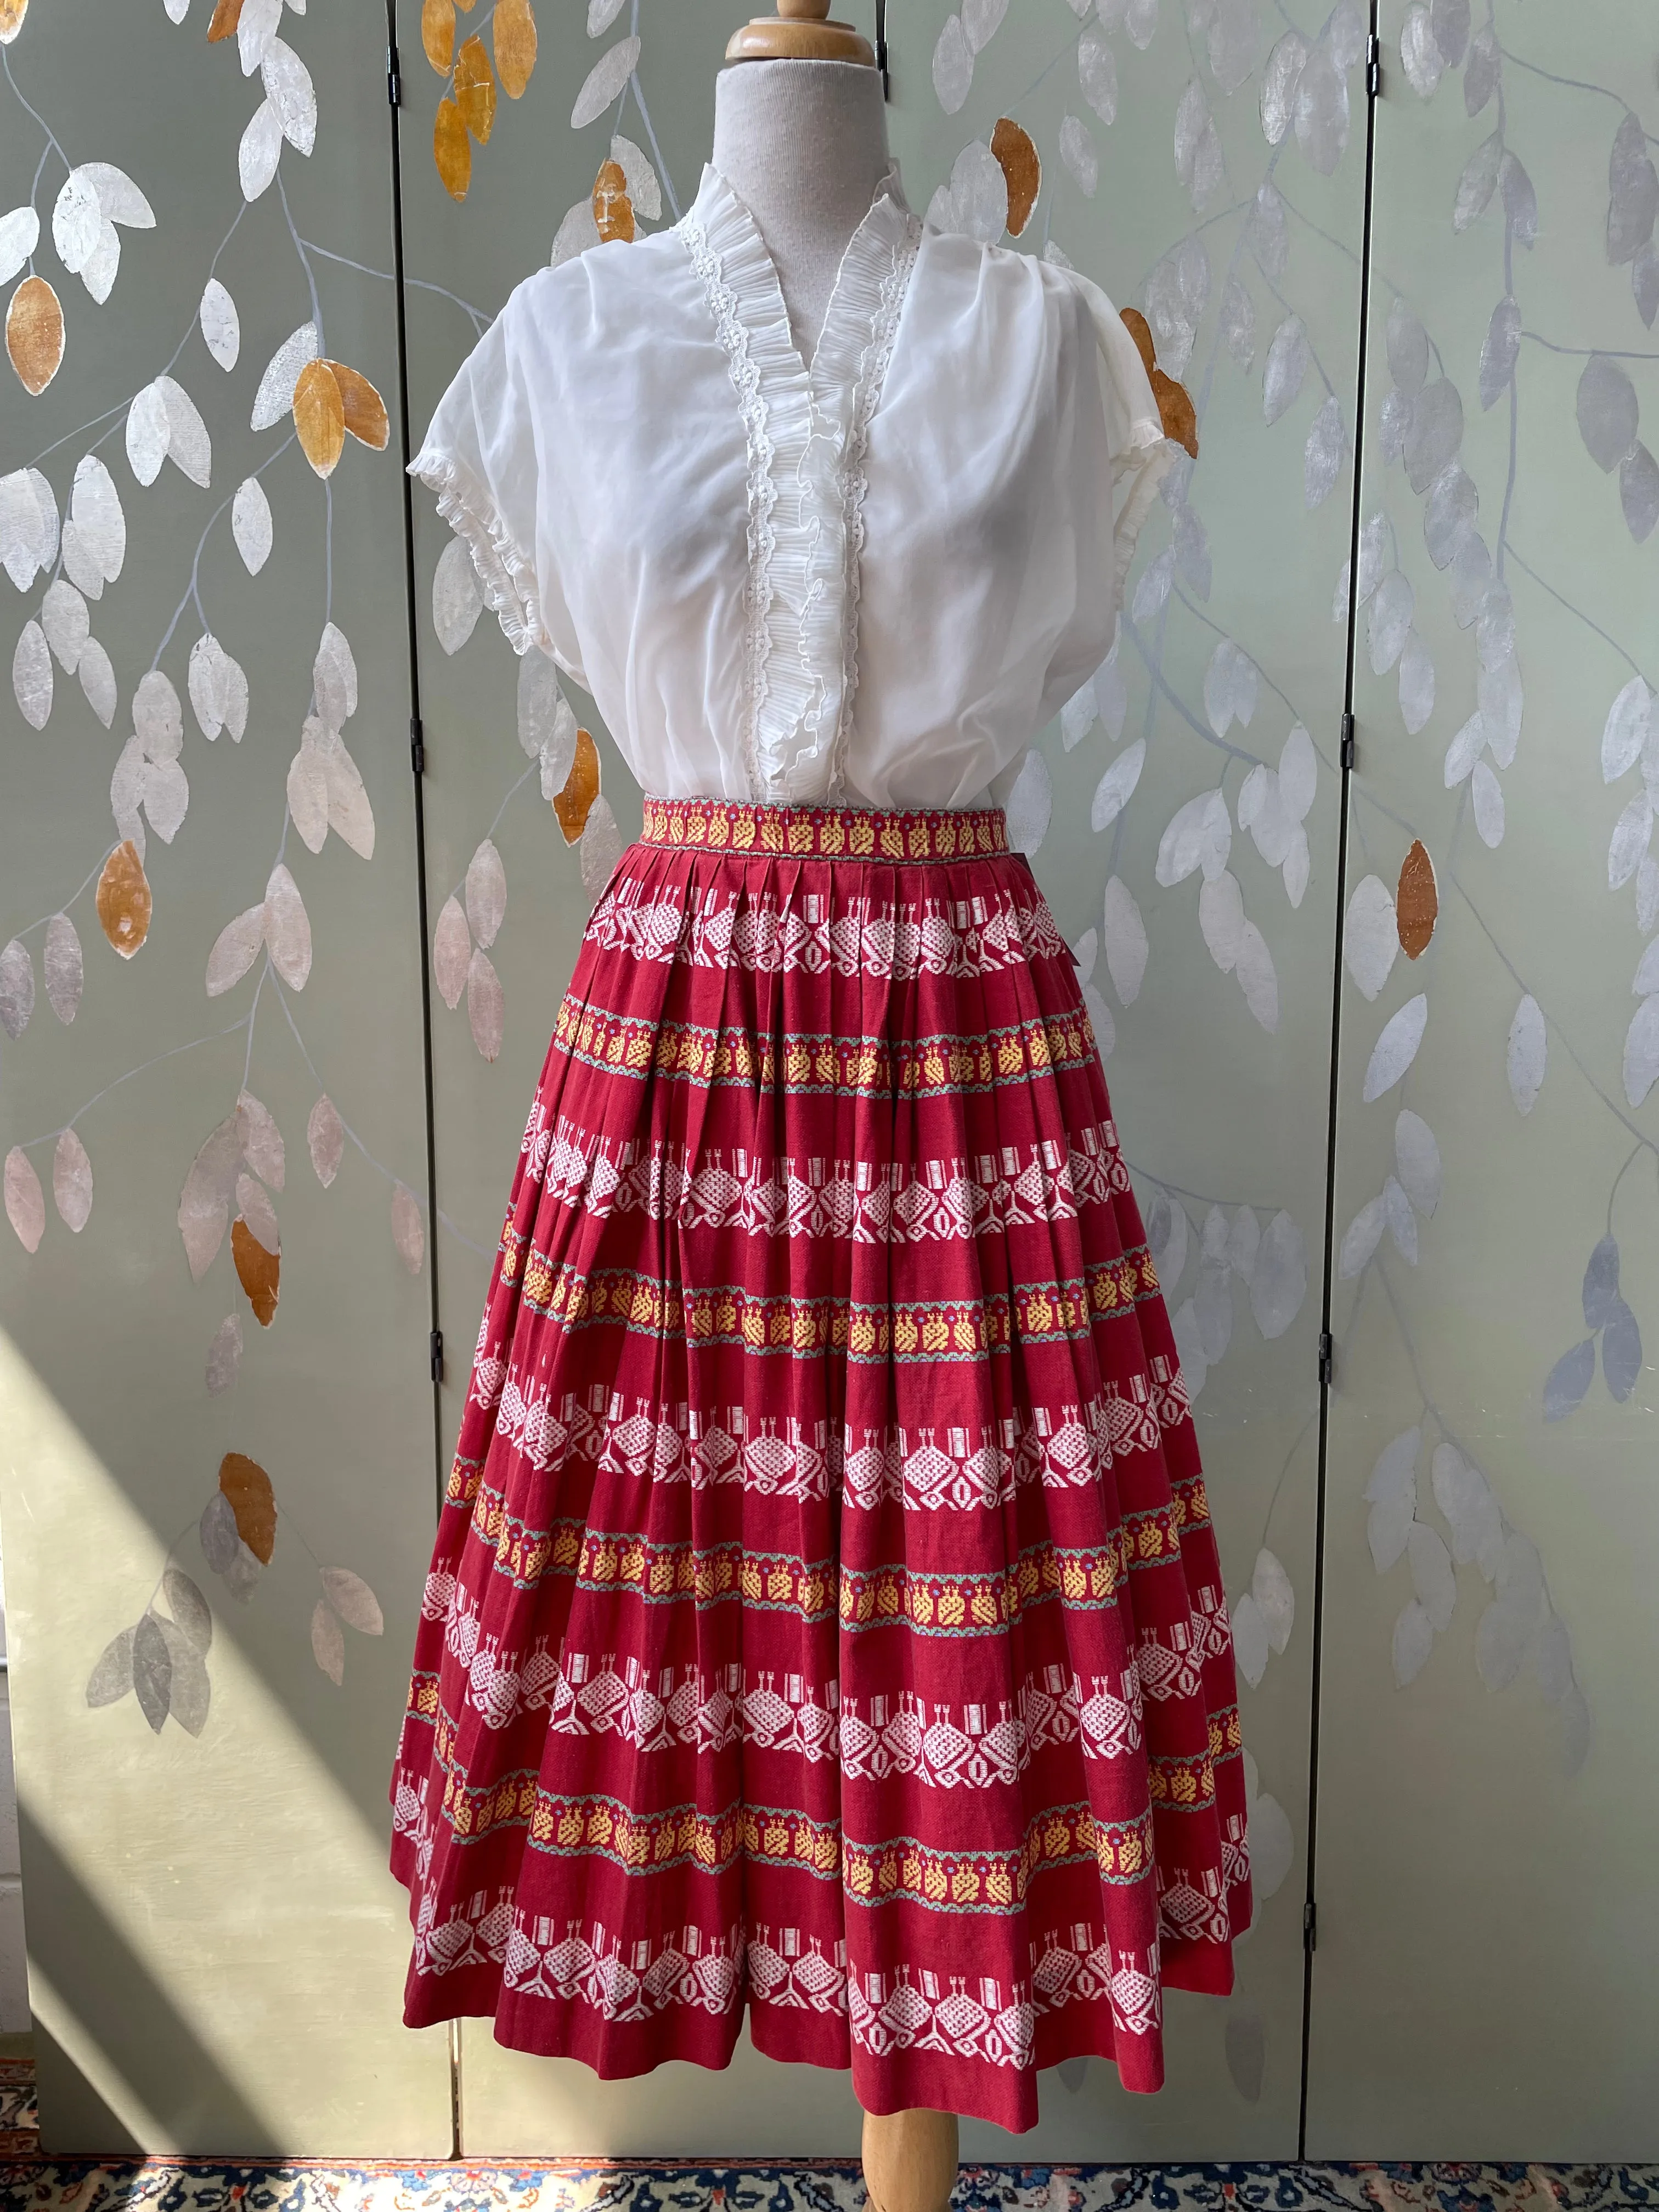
{"points": [[474, 89], [452, 149], [1022, 168], [1417, 902], [1140, 330], [34, 333], [515, 44], [123, 900], [1175, 412], [581, 788], [438, 33], [252, 1500], [226, 16], [613, 211], [12, 13], [364, 409], [320, 416], [257, 1271]]}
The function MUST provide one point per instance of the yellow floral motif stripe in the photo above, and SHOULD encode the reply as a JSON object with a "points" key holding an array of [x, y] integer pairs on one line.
{"points": [[852, 833], [1227, 1733], [1035, 1313], [686, 1051], [1181, 1784]]}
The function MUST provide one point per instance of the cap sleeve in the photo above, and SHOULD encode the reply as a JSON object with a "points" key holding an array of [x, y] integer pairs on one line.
{"points": [[1134, 433], [480, 456]]}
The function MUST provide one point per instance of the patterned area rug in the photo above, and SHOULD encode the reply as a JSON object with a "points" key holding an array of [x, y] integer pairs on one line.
{"points": [[29, 2183]]}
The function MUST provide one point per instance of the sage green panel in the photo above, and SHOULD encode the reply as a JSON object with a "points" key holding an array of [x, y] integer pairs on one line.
{"points": [[216, 1949], [480, 784], [1485, 1984], [1160, 180]]}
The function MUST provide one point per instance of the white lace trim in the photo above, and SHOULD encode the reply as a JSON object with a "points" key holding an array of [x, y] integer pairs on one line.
{"points": [[504, 569], [806, 435]]}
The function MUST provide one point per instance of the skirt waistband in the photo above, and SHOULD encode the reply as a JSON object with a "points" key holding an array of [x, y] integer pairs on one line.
{"points": [[829, 833]]}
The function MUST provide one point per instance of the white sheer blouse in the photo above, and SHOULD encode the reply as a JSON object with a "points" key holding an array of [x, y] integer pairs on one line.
{"points": [[869, 583]]}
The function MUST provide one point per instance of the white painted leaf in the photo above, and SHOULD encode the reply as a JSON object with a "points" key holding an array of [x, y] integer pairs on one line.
{"points": [[1642, 1052], [1502, 701], [251, 524], [1632, 191], [1528, 1054], [353, 1599], [101, 271], [1551, 1659], [1647, 890], [1140, 21], [1370, 937], [1394, 1475], [577, 231], [1416, 682], [600, 849], [1257, 978], [1197, 835], [1287, 365], [20, 234], [274, 397], [408, 1229], [452, 952], [601, 15], [1078, 715], [260, 1139], [1275, 1600], [1153, 588], [16, 988], [77, 222], [1243, 1243], [1279, 1283], [287, 928], [1607, 411], [307, 789], [1238, 322], [1638, 492], [1078, 155], [1166, 1236], [187, 445], [292, 94], [975, 201], [257, 1212], [235, 948], [457, 595], [1420, 55], [1452, 509], [66, 622], [98, 681], [255, 27], [1499, 352], [1471, 1511], [1401, 1221], [1030, 804], [1212, 1309], [486, 893], [1407, 345], [1360, 1239], [63, 965], [1417, 1161], [644, 190], [1298, 863], [26, 1203], [1396, 1047], [605, 82], [1279, 83], [1387, 1526], [224, 1357], [205, 1202], [328, 1641], [1476, 183], [334, 678], [147, 434], [1250, 1639], [1433, 434], [260, 150], [31, 676], [1084, 953], [1568, 1380], [1500, 1644], [1488, 796], [1124, 938], [1221, 918], [1321, 461], [221, 327], [350, 815], [1271, 1845], [1393, 604], [1100, 1017], [325, 1140], [1632, 835], [1231, 684], [1096, 74], [1621, 1352], [1116, 787], [1413, 1634], [485, 1008], [1322, 111], [1494, 627]]}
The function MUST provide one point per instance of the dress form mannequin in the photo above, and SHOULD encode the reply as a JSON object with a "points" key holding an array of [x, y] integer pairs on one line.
{"points": [[804, 145]]}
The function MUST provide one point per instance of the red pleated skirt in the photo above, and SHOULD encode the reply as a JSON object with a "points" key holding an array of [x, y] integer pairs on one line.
{"points": [[825, 1617]]}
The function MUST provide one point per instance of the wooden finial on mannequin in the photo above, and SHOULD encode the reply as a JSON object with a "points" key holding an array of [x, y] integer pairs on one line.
{"points": [[799, 32]]}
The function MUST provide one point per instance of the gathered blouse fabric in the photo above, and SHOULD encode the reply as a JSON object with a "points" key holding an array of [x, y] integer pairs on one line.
{"points": [[870, 582]]}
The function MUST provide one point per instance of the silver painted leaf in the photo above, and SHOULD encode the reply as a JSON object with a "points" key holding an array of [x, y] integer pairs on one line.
{"points": [[20, 234], [1645, 282], [1420, 53], [353, 1599], [1450, 513], [1140, 21], [1029, 804], [1413, 1640], [1487, 794], [1401, 1221], [1287, 365], [224, 1356], [16, 988], [1434, 433], [1464, 750], [1322, 111], [325, 1140], [1387, 1526], [274, 397], [257, 1212], [1279, 1283], [1647, 893], [63, 965], [1494, 627], [1275, 1600], [71, 1181], [1231, 686], [191, 1614], [1500, 350], [1396, 1047], [452, 952], [1520, 201], [953, 65], [1646, 980], [1632, 191], [1084, 953], [1528, 1054], [1551, 1659], [1197, 835], [217, 1530], [1450, 22], [31, 676], [1500, 1645], [1257, 978], [1393, 421], [1373, 554], [1370, 937], [112, 1678], [486, 893], [1097, 73], [1432, 1577], [605, 82], [1238, 322], [1394, 1475], [1153, 588], [1279, 82], [67, 623], [600, 849], [1116, 787], [1629, 843], [1502, 702], [1471, 1511], [1417, 1161], [1322, 458], [1416, 684], [152, 1671], [1476, 185], [1407, 344], [97, 678], [1272, 1847], [220, 325], [1078, 715], [408, 1229], [1606, 409], [1213, 1307], [1642, 1052], [334, 678], [1360, 1240], [1100, 1014], [1345, 34], [1393, 604], [1191, 547], [1638, 492], [1480, 76], [1250, 1643], [644, 188], [1123, 937], [1266, 233], [292, 94], [287, 928], [1082, 162], [251, 524], [457, 595], [1221, 919], [1235, 34], [1243, 1243], [485, 1006], [1568, 1380], [1621, 1352], [259, 151], [1601, 1285], [1167, 1235], [327, 1637]]}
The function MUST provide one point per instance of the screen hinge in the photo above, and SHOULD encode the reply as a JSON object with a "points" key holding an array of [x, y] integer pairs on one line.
{"points": [[417, 746], [394, 82], [435, 1344], [1347, 741], [1326, 1356], [1310, 1926], [881, 63], [1373, 65]]}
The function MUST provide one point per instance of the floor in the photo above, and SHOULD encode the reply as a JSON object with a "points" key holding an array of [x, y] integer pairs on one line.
{"points": [[29, 2183]]}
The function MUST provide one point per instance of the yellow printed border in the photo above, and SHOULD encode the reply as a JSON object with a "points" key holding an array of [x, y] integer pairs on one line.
{"points": [[832, 833]]}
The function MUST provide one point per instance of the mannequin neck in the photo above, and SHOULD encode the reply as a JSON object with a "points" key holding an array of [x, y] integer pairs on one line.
{"points": [[803, 145]]}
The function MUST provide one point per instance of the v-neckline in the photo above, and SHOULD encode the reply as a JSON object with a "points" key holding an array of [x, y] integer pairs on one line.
{"points": [[867, 252]]}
